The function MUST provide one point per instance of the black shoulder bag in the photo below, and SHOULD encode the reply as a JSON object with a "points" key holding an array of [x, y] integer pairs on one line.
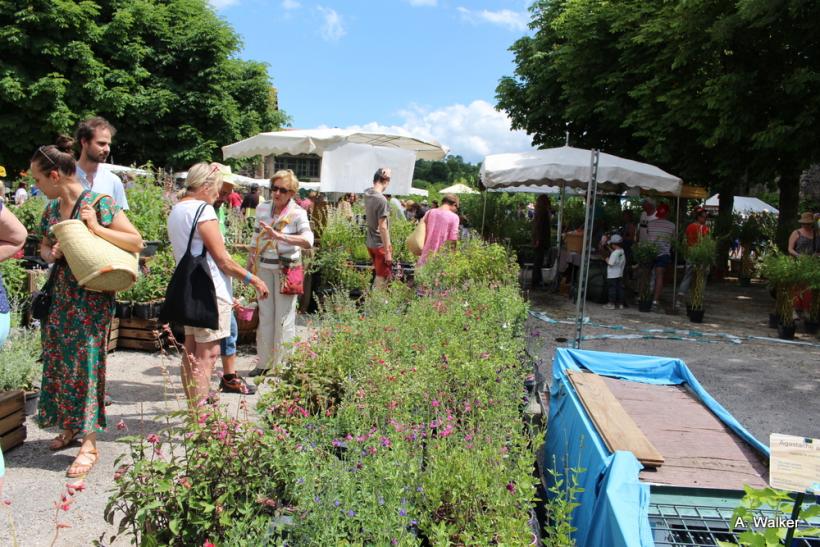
{"points": [[41, 300], [190, 298]]}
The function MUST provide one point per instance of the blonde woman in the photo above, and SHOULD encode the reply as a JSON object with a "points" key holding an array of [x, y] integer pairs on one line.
{"points": [[282, 230], [75, 333], [196, 205]]}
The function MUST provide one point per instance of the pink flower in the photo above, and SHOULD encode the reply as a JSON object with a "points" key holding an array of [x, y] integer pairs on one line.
{"points": [[153, 438], [446, 431], [208, 543], [121, 426], [511, 487], [434, 403], [385, 442]]}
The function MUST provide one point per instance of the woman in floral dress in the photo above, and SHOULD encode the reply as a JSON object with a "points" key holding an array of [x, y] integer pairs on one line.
{"points": [[75, 333]]}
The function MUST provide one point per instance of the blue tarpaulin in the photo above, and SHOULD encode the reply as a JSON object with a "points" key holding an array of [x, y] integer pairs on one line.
{"points": [[614, 504]]}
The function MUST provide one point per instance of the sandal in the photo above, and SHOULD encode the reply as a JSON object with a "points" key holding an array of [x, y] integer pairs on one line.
{"points": [[64, 440], [79, 469]]}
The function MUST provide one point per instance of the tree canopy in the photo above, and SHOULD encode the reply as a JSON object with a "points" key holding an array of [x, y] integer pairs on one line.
{"points": [[451, 169], [164, 72], [717, 92]]}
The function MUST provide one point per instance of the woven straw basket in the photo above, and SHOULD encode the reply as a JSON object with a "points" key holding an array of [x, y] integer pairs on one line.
{"points": [[97, 264]]}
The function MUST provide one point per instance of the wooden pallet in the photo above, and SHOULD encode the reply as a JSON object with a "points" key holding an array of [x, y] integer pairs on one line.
{"points": [[140, 334], [113, 333], [617, 428], [12, 419]]}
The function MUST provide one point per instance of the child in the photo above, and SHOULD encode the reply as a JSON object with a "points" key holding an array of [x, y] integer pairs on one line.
{"points": [[615, 273]]}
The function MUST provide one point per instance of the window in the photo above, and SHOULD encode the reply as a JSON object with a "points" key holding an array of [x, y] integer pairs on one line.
{"points": [[306, 166]]}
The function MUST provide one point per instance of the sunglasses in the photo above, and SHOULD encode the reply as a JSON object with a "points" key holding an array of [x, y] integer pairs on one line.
{"points": [[279, 190]]}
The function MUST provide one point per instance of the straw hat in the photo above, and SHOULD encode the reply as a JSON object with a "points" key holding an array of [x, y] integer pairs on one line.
{"points": [[806, 218]]}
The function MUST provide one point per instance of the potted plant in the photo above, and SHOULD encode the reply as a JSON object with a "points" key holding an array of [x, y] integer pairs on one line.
{"points": [[644, 254], [749, 233], [810, 272], [148, 293], [19, 365], [148, 212], [783, 274], [701, 256]]}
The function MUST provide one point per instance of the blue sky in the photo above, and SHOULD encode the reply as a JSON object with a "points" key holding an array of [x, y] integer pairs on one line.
{"points": [[426, 67]]}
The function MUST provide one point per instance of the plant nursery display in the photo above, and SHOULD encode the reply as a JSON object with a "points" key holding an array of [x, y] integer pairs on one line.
{"points": [[701, 257], [644, 254]]}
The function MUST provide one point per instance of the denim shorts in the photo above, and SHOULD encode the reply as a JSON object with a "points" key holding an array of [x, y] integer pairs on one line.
{"points": [[227, 345], [663, 261]]}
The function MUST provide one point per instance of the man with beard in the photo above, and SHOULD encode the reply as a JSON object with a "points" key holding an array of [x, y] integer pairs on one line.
{"points": [[94, 136]]}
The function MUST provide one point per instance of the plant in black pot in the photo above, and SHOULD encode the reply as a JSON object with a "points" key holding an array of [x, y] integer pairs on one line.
{"points": [[749, 233], [701, 256], [644, 254], [783, 274]]}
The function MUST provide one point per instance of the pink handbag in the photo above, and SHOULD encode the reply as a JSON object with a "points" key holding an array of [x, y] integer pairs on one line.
{"points": [[292, 279]]}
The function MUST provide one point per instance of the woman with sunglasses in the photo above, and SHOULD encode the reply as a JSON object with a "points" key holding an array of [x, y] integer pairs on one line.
{"points": [[282, 230], [75, 333], [195, 205]]}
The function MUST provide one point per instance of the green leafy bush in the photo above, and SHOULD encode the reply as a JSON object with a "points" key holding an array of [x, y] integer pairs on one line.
{"points": [[784, 275], [15, 280], [19, 368], [151, 285], [148, 209], [702, 256], [475, 262], [30, 213]]}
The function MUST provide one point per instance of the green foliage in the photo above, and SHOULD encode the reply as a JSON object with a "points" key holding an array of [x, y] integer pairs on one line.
{"points": [[392, 422], [677, 84], [15, 280], [504, 219], [560, 506], [197, 480], [151, 285], [449, 170], [19, 366], [30, 213], [644, 254], [148, 209], [702, 256], [784, 274], [777, 505], [474, 263], [164, 73]]}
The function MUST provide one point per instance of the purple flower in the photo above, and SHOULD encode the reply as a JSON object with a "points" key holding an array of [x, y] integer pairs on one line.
{"points": [[337, 503], [351, 513], [419, 489], [402, 513], [413, 522]]}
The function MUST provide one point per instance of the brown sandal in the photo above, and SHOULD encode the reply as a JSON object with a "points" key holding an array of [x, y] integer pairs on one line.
{"points": [[64, 440], [78, 469]]}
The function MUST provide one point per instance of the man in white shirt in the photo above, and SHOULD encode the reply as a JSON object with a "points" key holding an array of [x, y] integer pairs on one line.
{"points": [[94, 136], [648, 214]]}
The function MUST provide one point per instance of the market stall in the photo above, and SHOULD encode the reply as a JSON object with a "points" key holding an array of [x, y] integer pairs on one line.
{"points": [[577, 168]]}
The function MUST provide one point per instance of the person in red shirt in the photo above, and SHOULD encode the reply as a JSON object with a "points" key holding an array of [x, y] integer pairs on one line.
{"points": [[234, 200], [694, 232]]}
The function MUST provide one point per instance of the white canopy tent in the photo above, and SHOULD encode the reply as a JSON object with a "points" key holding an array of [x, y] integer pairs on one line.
{"points": [[458, 188], [419, 192], [126, 169], [349, 158], [576, 168], [743, 205]]}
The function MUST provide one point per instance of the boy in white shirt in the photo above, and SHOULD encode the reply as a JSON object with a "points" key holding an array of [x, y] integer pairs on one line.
{"points": [[615, 272]]}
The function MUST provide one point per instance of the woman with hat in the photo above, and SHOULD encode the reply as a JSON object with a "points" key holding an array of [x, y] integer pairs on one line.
{"points": [[803, 240]]}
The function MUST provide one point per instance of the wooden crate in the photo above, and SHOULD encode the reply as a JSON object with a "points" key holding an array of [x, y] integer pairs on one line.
{"points": [[113, 333], [140, 334], [12, 419], [35, 278]]}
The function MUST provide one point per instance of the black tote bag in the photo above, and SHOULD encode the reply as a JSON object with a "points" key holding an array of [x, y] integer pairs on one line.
{"points": [[190, 298]]}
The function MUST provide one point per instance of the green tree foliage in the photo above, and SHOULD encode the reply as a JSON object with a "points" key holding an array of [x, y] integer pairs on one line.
{"points": [[163, 72], [451, 169], [714, 91]]}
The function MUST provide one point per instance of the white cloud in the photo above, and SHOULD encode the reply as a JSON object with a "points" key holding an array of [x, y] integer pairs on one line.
{"points": [[288, 5], [512, 20], [222, 4], [471, 131], [422, 2], [332, 27]]}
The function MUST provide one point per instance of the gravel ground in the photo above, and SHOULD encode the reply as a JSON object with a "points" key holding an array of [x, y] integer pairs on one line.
{"points": [[768, 386]]}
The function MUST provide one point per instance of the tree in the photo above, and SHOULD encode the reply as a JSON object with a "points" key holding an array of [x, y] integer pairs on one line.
{"points": [[451, 169], [162, 71], [679, 84]]}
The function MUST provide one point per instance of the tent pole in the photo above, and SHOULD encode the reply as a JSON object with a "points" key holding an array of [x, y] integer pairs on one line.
{"points": [[483, 213], [583, 274], [562, 197], [675, 263]]}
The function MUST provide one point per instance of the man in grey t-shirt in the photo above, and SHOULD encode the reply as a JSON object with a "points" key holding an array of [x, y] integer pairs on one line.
{"points": [[377, 239]]}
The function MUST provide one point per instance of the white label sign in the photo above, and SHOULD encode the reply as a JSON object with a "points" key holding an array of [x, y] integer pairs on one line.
{"points": [[795, 463]]}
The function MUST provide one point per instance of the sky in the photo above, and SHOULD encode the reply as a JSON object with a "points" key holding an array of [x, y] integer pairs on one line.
{"points": [[424, 67]]}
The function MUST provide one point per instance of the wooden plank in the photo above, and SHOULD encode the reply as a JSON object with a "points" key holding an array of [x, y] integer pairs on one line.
{"points": [[13, 438], [615, 425], [137, 323], [11, 402], [12, 421], [141, 345], [699, 450], [139, 334]]}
